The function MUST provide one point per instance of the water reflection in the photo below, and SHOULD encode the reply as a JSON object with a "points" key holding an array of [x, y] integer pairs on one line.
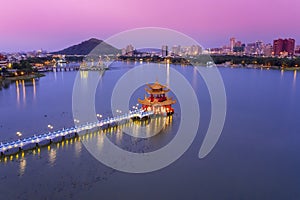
{"points": [[100, 139], [52, 156], [55, 75], [18, 92], [84, 74], [194, 81], [78, 147], [75, 145], [23, 85], [168, 74], [22, 166], [34, 89], [119, 134], [294, 79], [24, 91]]}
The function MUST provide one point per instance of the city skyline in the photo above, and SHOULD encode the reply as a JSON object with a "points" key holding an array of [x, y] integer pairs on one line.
{"points": [[54, 25], [229, 44]]}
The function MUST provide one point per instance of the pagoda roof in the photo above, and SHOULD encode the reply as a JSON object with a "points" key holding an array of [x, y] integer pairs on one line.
{"points": [[156, 86], [157, 91], [147, 102]]}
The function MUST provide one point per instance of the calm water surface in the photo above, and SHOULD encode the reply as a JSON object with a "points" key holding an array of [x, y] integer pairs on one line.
{"points": [[257, 156]]}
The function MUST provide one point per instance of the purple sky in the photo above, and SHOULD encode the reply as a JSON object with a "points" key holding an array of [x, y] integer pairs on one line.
{"points": [[56, 24]]}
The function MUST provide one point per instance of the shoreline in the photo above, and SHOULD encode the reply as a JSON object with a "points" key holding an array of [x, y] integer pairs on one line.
{"points": [[245, 66], [25, 77]]}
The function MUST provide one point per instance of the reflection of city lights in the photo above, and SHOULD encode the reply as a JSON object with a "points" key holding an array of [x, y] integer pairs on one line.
{"points": [[52, 156], [34, 88], [24, 91], [22, 167], [18, 92], [294, 78], [84, 74], [78, 147]]}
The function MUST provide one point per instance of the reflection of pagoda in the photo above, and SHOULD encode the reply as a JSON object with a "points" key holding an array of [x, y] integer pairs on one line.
{"points": [[157, 102]]}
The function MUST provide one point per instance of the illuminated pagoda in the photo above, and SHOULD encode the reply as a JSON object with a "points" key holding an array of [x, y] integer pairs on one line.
{"points": [[158, 101]]}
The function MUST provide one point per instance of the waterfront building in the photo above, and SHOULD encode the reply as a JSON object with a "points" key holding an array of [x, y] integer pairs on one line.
{"points": [[215, 51], [123, 52], [2, 57], [176, 50], [232, 43], [164, 51], [195, 50], [157, 101], [284, 47], [268, 50], [297, 50], [239, 48], [3, 61], [129, 50]]}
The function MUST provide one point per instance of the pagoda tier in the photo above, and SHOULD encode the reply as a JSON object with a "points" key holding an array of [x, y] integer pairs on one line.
{"points": [[157, 92], [156, 86], [157, 101]]}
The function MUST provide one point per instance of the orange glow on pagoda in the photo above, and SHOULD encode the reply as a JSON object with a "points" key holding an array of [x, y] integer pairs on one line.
{"points": [[157, 101]]}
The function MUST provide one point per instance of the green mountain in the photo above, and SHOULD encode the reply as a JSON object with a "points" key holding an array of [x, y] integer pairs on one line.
{"points": [[92, 45]]}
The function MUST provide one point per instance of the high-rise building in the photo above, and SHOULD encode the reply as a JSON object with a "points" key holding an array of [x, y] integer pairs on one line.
{"points": [[164, 50], [284, 46], [176, 50], [268, 49], [3, 61], [250, 49], [129, 50], [195, 50], [290, 46], [297, 50], [238, 44], [2, 57], [232, 43]]}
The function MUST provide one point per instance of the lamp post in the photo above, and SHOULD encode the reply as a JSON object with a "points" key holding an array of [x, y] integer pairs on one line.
{"points": [[99, 115], [19, 134], [50, 127]]}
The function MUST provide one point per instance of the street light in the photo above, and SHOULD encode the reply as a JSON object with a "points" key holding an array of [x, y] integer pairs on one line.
{"points": [[19, 134], [98, 115], [50, 127]]}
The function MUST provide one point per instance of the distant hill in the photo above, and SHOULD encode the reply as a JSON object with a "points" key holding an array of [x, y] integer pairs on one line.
{"points": [[85, 48]]}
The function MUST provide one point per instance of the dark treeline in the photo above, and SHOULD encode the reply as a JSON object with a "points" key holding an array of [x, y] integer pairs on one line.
{"points": [[221, 59], [266, 61]]}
